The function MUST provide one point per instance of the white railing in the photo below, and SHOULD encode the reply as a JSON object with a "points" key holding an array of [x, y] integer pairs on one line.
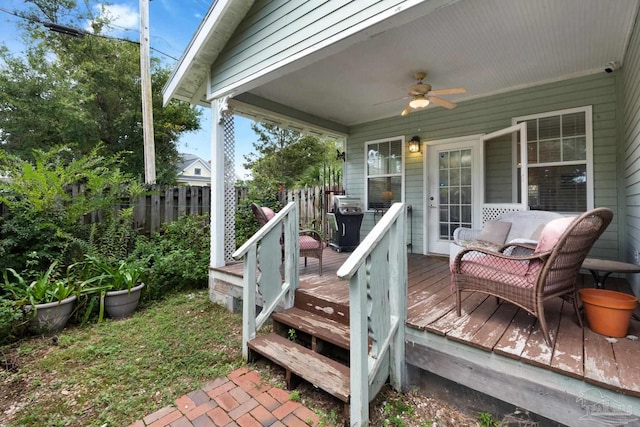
{"points": [[263, 256], [377, 275]]}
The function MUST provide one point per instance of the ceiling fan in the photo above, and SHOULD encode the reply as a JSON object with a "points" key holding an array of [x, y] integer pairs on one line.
{"points": [[422, 95]]}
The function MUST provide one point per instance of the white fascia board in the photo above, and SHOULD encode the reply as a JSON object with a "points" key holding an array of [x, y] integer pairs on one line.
{"points": [[218, 13]]}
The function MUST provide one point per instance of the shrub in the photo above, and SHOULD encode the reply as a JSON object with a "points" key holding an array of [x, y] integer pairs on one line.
{"points": [[12, 324], [178, 255], [45, 221]]}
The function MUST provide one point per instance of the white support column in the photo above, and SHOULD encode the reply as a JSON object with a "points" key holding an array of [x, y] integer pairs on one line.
{"points": [[218, 106]]}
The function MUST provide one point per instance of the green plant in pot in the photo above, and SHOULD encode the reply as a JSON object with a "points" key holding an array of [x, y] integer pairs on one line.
{"points": [[47, 300], [119, 284]]}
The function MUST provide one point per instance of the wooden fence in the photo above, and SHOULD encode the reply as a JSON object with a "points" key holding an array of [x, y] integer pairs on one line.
{"points": [[166, 204], [160, 204], [313, 204]]}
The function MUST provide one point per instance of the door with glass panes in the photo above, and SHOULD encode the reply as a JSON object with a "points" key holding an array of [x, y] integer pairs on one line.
{"points": [[452, 192]]}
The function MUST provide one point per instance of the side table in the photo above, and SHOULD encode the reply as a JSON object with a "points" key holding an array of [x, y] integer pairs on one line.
{"points": [[607, 266]]}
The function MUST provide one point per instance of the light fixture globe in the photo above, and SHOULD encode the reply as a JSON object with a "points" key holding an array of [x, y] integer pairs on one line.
{"points": [[414, 144], [419, 101]]}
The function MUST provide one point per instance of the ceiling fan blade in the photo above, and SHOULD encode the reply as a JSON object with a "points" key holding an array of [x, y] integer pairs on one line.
{"points": [[442, 102], [451, 91], [406, 110]]}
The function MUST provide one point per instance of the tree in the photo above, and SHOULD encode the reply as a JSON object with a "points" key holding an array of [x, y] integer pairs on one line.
{"points": [[282, 157], [84, 90]]}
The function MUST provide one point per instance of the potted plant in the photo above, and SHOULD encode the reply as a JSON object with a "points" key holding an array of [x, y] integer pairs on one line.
{"points": [[47, 301], [119, 283]]}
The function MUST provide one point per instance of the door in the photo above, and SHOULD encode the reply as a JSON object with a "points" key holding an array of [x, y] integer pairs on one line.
{"points": [[453, 189], [505, 175], [472, 180]]}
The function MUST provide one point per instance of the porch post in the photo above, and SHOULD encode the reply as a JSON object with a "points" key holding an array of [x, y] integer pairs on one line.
{"points": [[218, 109]]}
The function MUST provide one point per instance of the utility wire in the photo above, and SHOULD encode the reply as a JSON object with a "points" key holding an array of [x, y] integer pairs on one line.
{"points": [[63, 29]]}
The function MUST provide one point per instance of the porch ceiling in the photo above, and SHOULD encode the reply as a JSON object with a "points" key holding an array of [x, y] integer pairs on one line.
{"points": [[486, 46]]}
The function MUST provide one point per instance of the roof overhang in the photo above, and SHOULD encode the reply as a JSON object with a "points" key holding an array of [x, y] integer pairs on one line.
{"points": [[210, 38]]}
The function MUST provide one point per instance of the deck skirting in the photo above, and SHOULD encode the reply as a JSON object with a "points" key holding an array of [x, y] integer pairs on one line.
{"points": [[225, 289], [558, 397]]}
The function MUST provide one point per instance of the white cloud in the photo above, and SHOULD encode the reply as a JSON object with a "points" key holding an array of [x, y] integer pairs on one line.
{"points": [[121, 17]]}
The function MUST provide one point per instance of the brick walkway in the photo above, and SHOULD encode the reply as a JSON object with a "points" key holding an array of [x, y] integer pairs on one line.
{"points": [[240, 399]]}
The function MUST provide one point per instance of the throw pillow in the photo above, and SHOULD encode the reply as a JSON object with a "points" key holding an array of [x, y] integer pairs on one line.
{"points": [[495, 232], [552, 232]]}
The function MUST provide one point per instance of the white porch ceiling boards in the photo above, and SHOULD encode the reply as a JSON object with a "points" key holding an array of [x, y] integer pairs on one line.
{"points": [[486, 46]]}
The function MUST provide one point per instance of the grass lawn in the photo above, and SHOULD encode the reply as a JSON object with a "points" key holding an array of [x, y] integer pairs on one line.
{"points": [[119, 371], [116, 372]]}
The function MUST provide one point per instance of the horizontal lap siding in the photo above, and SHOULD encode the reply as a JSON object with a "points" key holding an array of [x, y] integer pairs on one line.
{"points": [[631, 135], [275, 31], [492, 113]]}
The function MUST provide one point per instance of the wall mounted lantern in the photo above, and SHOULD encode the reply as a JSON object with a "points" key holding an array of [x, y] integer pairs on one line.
{"points": [[414, 144]]}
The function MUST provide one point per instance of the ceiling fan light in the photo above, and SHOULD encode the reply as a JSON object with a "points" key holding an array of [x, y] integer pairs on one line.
{"points": [[419, 101]]}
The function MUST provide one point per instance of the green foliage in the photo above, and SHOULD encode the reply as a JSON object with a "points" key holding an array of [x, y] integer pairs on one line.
{"points": [[114, 237], [178, 256], [45, 223], [294, 396], [281, 159], [108, 274], [486, 419], [11, 321], [45, 288], [394, 409], [85, 90]]}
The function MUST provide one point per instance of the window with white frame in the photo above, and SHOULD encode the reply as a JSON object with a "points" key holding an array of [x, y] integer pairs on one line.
{"points": [[384, 172], [559, 160], [197, 171]]}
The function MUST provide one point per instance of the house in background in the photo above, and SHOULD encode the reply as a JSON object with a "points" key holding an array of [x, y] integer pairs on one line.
{"points": [[192, 170], [549, 119]]}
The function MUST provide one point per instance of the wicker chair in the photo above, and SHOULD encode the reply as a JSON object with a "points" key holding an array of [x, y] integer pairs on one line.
{"points": [[310, 241], [528, 281]]}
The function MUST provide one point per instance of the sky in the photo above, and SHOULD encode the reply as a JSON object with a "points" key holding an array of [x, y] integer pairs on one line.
{"points": [[172, 24]]}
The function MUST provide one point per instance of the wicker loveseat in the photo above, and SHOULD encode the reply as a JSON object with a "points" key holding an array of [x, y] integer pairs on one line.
{"points": [[525, 228]]}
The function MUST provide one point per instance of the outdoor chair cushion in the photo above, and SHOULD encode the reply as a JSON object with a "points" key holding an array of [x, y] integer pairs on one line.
{"points": [[552, 232]]}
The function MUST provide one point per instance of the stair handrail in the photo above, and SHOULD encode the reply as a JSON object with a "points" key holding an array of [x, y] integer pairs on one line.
{"points": [[262, 256], [377, 275]]}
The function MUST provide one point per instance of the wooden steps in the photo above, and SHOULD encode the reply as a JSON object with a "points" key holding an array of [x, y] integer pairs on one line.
{"points": [[310, 344], [318, 327], [319, 370]]}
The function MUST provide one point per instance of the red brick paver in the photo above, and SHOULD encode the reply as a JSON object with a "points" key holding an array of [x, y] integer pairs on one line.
{"points": [[240, 399]]}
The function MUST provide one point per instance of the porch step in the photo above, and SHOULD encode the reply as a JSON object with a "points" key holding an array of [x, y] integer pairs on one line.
{"points": [[318, 327], [306, 300], [301, 362]]}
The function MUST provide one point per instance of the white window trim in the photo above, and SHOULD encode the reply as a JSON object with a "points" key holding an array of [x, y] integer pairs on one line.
{"points": [[588, 110], [366, 173]]}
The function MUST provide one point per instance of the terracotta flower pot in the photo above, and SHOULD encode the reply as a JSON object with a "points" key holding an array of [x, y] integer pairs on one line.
{"points": [[608, 312]]}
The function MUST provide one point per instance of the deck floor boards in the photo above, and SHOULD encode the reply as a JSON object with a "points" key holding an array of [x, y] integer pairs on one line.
{"points": [[501, 328]]}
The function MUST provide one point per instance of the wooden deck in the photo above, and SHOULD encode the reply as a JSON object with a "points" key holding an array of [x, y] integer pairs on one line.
{"points": [[500, 329]]}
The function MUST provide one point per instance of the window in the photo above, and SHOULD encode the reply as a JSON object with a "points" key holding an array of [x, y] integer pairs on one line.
{"points": [[559, 160], [384, 172], [197, 171]]}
